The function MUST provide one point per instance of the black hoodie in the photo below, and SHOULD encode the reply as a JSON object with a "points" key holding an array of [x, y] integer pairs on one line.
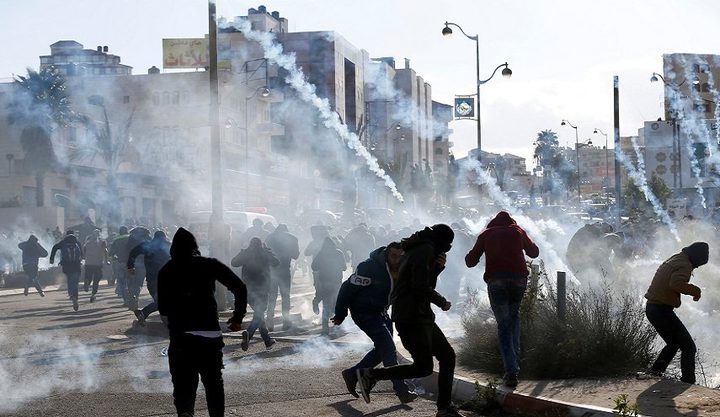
{"points": [[70, 254], [186, 288], [415, 287]]}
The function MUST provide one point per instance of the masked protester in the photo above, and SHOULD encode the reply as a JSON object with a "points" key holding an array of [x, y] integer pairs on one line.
{"points": [[70, 260], [186, 302], [155, 253], [671, 280], [424, 259], [32, 251], [256, 261], [367, 293], [503, 243], [328, 266]]}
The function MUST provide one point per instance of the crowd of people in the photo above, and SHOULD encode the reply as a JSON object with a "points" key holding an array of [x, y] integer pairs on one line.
{"points": [[392, 284]]}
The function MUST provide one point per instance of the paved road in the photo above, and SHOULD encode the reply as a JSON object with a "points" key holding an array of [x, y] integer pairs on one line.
{"points": [[97, 362]]}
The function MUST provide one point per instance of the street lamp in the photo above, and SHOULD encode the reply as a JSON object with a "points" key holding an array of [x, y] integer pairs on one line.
{"points": [[577, 153], [607, 167], [447, 31]]}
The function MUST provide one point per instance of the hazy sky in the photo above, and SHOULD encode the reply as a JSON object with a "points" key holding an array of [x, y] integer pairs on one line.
{"points": [[563, 53]]}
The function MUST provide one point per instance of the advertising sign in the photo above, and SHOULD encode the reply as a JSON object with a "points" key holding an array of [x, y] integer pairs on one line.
{"points": [[185, 53]]}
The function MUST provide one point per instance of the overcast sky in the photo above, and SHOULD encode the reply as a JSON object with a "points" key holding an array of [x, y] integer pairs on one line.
{"points": [[563, 53]]}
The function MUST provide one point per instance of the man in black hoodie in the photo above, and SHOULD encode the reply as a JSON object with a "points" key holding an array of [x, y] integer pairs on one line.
{"points": [[186, 302], [424, 259], [156, 253], [70, 258], [285, 246], [32, 250]]}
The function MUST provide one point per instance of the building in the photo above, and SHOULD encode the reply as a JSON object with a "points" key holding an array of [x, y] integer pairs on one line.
{"points": [[69, 58], [691, 85]]}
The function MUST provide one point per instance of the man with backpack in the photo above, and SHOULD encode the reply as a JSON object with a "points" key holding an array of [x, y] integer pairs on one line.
{"points": [[70, 261]]}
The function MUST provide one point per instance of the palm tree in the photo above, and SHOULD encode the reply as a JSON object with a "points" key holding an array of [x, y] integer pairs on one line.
{"points": [[41, 104]]}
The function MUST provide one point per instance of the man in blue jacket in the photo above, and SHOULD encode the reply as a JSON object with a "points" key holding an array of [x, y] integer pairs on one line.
{"points": [[366, 293]]}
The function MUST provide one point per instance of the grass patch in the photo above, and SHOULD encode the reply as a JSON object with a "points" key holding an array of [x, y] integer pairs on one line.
{"points": [[604, 334]]}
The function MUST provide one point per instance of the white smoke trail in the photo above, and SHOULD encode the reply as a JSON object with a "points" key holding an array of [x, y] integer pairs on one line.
{"points": [[714, 159], [640, 180], [44, 365], [296, 79], [553, 261]]}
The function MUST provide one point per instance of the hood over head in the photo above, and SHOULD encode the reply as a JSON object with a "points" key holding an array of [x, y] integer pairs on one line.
{"points": [[159, 235], [440, 235], [33, 238], [502, 219], [257, 222], [282, 227], [123, 230], [184, 245], [698, 253]]}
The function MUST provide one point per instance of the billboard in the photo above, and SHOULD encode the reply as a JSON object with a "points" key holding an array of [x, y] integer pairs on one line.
{"points": [[185, 53]]}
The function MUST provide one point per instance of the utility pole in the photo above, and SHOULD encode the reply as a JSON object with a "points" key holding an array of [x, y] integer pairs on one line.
{"points": [[616, 111]]}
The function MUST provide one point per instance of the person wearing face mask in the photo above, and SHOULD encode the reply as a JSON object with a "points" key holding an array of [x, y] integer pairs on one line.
{"points": [[366, 293], [412, 299], [671, 280]]}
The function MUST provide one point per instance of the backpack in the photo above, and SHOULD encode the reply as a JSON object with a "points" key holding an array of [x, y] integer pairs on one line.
{"points": [[71, 254]]}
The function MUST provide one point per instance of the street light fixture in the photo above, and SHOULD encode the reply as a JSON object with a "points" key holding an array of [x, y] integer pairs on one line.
{"points": [[577, 153], [607, 166], [506, 72]]}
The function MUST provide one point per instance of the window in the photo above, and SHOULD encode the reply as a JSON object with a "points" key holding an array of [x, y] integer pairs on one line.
{"points": [[176, 97], [126, 99], [156, 98], [165, 98]]}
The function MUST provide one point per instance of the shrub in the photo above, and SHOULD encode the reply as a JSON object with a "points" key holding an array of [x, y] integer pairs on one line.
{"points": [[604, 334]]}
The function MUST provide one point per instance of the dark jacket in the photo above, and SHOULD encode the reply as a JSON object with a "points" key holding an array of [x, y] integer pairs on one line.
{"points": [[284, 245], [32, 250], [503, 243], [415, 288], [367, 290], [186, 288], [360, 243], [256, 261], [156, 253], [329, 265], [70, 254], [119, 249]]}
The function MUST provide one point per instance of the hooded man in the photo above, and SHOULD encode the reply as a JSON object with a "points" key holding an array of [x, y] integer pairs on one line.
{"points": [[156, 253], [367, 294], [503, 243], [285, 247], [424, 259], [32, 251], [70, 260], [671, 280], [186, 301]]}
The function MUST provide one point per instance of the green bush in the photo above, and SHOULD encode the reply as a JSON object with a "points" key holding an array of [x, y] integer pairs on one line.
{"points": [[604, 334]]}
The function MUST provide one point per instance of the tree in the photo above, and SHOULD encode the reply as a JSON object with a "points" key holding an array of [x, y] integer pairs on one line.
{"points": [[548, 156], [41, 104], [636, 203]]}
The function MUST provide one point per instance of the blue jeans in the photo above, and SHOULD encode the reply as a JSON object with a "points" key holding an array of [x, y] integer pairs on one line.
{"points": [[73, 279], [505, 297], [379, 329]]}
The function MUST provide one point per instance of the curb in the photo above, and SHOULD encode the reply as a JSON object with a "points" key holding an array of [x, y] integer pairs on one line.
{"points": [[512, 401]]}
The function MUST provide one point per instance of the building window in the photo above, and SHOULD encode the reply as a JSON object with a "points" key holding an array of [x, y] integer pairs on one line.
{"points": [[176, 97], [156, 98], [165, 98], [126, 99]]}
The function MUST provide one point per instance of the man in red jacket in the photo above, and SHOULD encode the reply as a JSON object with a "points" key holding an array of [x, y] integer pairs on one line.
{"points": [[503, 243]]}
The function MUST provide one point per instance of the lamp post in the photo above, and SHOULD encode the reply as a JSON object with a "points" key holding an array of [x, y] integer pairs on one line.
{"points": [[607, 166], [264, 92], [447, 31], [577, 153]]}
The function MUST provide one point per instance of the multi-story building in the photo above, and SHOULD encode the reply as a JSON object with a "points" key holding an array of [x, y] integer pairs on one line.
{"points": [[691, 85], [69, 58]]}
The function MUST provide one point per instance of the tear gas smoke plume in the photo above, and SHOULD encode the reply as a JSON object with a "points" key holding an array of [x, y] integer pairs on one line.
{"points": [[296, 79]]}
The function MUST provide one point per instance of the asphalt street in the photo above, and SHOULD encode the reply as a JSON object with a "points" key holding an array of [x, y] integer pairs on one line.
{"points": [[99, 362]]}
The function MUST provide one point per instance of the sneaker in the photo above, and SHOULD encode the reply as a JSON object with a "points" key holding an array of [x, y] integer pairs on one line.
{"points": [[76, 306], [316, 306], [269, 344], [366, 382], [510, 380], [140, 317], [26, 292], [350, 382], [42, 293], [245, 340], [407, 397], [92, 298], [450, 411]]}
